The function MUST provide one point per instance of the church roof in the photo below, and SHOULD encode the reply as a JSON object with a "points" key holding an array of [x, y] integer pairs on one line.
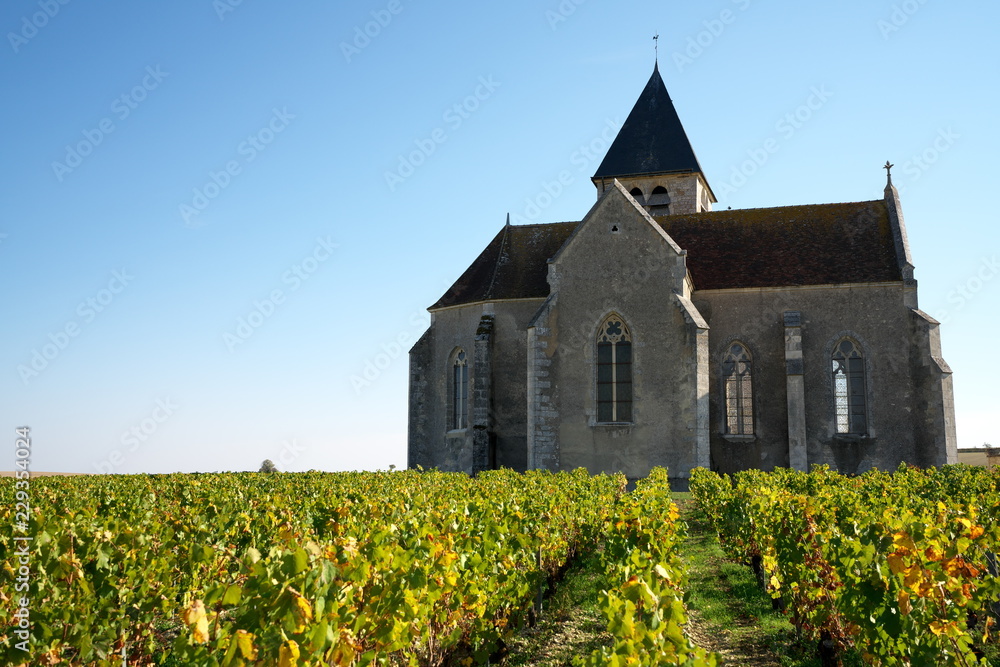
{"points": [[513, 266], [652, 140], [819, 244]]}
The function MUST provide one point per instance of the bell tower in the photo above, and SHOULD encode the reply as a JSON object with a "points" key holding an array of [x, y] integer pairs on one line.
{"points": [[653, 159]]}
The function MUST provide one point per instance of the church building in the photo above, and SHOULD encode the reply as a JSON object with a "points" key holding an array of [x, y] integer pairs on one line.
{"points": [[658, 332]]}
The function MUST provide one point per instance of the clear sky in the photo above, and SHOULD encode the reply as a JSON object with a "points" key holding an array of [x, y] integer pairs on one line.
{"points": [[222, 222]]}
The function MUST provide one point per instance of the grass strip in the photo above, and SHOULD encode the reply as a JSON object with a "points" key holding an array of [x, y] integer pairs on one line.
{"points": [[730, 613], [571, 622]]}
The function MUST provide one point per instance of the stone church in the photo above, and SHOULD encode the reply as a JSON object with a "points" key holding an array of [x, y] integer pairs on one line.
{"points": [[658, 332]]}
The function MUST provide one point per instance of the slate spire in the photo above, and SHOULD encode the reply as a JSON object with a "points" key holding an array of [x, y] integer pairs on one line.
{"points": [[652, 140]]}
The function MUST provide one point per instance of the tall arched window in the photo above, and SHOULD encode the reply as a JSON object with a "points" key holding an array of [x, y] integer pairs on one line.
{"points": [[737, 382], [849, 388], [460, 392], [614, 371]]}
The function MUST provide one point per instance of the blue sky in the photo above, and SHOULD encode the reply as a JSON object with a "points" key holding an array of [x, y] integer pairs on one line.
{"points": [[223, 221]]}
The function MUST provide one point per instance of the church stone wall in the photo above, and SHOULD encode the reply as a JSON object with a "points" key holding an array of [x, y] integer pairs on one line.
{"points": [[687, 191], [875, 316], [510, 397], [431, 441], [936, 440], [633, 272]]}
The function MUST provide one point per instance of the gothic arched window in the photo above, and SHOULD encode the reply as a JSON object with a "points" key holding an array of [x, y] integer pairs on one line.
{"points": [[737, 382], [614, 371], [460, 391], [849, 392]]}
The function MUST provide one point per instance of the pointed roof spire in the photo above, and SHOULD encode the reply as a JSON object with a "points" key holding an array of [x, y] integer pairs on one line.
{"points": [[652, 140]]}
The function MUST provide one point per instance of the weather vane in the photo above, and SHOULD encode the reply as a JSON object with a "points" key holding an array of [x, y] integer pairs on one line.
{"points": [[656, 46]]}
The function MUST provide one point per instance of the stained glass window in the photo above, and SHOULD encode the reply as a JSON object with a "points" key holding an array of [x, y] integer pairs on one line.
{"points": [[737, 381], [849, 388]]}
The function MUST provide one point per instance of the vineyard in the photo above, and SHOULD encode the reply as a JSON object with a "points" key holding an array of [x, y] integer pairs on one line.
{"points": [[401, 568], [440, 569], [901, 568]]}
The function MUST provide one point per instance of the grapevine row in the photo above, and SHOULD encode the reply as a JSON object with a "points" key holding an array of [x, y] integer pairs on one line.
{"points": [[402, 568], [898, 566]]}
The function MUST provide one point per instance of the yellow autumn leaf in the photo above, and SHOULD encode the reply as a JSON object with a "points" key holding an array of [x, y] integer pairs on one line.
{"points": [[896, 563], [913, 578], [902, 541], [288, 654], [303, 612], [904, 603], [196, 619], [244, 640], [933, 553]]}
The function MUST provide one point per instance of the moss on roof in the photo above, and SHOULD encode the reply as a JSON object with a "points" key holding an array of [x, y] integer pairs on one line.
{"points": [[818, 244], [513, 266]]}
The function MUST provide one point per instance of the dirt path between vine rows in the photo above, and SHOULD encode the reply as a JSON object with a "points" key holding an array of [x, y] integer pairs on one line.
{"points": [[740, 641]]}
